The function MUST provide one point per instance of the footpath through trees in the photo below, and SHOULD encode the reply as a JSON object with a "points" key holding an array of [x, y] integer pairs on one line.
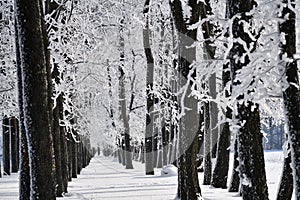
{"points": [[104, 178]]}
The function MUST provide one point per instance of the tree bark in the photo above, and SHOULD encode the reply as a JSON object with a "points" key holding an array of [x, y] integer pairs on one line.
{"points": [[6, 145], [234, 184], [207, 145], [285, 190], [64, 145], [79, 156], [37, 123], [249, 136], [24, 174], [149, 88], [291, 97], [14, 133], [57, 141], [188, 183], [220, 173], [74, 146]]}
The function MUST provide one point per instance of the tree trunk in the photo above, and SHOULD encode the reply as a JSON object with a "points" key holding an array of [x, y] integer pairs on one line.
{"points": [[235, 179], [213, 115], [6, 146], [24, 174], [291, 97], [14, 133], [249, 136], [207, 145], [57, 144], [79, 157], [74, 147], [188, 183], [64, 145], [149, 88], [285, 190], [29, 19], [220, 173], [70, 156]]}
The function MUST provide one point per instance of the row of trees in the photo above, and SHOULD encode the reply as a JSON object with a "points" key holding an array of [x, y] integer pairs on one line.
{"points": [[238, 46], [52, 150], [207, 73]]}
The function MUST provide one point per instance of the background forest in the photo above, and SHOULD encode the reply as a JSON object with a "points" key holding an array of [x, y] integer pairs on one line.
{"points": [[162, 82]]}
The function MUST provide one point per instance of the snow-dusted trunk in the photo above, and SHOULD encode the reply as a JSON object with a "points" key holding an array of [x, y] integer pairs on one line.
{"points": [[24, 174], [69, 149], [122, 98], [234, 184], [185, 14], [79, 155], [74, 148], [57, 142], [14, 137], [6, 146], [63, 142], [213, 115], [285, 190], [220, 173], [207, 145], [31, 43], [249, 136], [149, 87], [124, 118], [291, 95]]}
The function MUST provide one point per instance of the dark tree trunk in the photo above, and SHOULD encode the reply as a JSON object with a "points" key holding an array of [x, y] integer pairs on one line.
{"points": [[122, 99], [24, 174], [14, 134], [30, 29], [79, 156], [155, 144], [64, 145], [235, 178], [252, 166], [207, 146], [149, 87], [285, 190], [165, 139], [188, 183], [210, 108], [70, 155], [220, 173], [249, 136], [213, 115], [57, 142], [291, 97], [74, 147], [6, 146]]}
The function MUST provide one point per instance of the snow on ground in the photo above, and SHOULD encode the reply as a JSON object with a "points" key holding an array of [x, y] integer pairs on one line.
{"points": [[105, 178]]}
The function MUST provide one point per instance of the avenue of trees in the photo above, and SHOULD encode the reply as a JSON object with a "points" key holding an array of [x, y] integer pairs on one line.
{"points": [[177, 82]]}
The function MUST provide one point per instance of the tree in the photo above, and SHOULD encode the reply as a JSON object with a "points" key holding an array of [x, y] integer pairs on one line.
{"points": [[149, 87], [285, 190], [6, 146], [251, 157], [188, 184], [220, 172], [31, 43], [122, 99], [24, 179], [291, 97]]}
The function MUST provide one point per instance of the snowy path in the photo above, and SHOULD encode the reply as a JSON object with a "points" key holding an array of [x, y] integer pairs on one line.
{"points": [[107, 179]]}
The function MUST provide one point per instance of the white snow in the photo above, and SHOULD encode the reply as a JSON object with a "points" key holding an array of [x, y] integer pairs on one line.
{"points": [[105, 178], [169, 170]]}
